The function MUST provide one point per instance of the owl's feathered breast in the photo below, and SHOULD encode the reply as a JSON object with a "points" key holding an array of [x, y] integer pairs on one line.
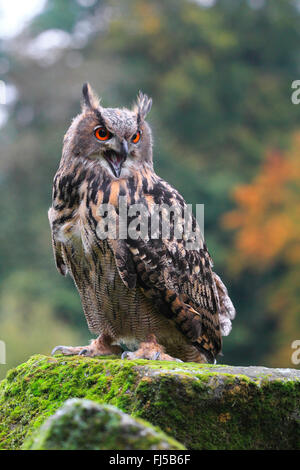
{"points": [[177, 280]]}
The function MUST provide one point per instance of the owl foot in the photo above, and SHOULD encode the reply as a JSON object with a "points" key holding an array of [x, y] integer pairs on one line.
{"points": [[151, 350], [99, 347]]}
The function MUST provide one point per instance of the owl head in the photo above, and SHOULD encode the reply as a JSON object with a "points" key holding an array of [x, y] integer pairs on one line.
{"points": [[116, 140]]}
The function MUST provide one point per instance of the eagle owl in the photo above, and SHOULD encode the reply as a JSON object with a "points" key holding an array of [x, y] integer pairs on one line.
{"points": [[148, 297]]}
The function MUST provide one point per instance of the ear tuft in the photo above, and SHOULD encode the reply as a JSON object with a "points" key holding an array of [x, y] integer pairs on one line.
{"points": [[143, 106], [90, 99]]}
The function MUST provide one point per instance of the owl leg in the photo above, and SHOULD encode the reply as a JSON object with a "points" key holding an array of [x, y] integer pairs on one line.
{"points": [[149, 349], [101, 346]]}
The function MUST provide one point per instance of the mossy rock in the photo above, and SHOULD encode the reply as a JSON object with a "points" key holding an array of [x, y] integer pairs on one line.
{"points": [[85, 425], [202, 406]]}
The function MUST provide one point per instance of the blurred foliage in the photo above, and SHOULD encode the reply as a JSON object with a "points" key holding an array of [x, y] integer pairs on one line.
{"points": [[28, 323], [220, 78], [267, 240]]}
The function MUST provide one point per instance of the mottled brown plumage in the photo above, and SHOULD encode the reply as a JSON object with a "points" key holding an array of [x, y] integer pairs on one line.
{"points": [[151, 295]]}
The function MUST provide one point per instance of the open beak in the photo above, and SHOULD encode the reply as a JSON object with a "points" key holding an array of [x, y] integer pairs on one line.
{"points": [[116, 159]]}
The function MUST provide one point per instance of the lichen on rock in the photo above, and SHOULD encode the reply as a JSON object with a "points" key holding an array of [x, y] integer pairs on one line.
{"points": [[85, 425], [202, 406]]}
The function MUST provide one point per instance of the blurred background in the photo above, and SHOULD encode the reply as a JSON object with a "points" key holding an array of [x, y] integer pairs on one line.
{"points": [[226, 135]]}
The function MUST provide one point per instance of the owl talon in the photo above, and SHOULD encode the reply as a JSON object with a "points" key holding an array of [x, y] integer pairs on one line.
{"points": [[68, 350], [149, 354], [83, 352], [59, 348], [124, 355]]}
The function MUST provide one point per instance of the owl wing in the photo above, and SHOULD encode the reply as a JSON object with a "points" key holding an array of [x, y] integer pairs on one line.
{"points": [[57, 246], [226, 308], [179, 279]]}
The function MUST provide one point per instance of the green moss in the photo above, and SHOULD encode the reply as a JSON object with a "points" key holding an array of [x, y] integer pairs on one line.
{"points": [[85, 425], [203, 406], [34, 390]]}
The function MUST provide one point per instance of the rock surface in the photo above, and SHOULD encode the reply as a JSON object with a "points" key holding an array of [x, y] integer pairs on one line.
{"points": [[202, 406], [85, 425]]}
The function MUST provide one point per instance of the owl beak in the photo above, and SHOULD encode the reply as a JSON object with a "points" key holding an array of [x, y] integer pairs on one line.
{"points": [[124, 149], [116, 159]]}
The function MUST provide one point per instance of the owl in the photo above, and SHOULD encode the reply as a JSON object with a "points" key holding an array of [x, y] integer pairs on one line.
{"points": [[146, 293]]}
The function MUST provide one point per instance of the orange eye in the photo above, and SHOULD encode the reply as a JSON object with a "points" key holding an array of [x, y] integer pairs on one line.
{"points": [[102, 134], [136, 137]]}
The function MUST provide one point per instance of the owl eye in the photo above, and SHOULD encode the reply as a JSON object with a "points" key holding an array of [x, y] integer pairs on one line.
{"points": [[136, 137], [101, 133]]}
